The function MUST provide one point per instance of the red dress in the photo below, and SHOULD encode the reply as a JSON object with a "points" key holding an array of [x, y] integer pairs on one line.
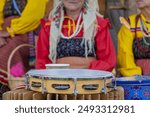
{"points": [[105, 52]]}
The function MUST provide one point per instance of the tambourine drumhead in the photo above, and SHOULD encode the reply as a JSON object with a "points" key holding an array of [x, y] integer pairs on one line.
{"points": [[70, 73]]}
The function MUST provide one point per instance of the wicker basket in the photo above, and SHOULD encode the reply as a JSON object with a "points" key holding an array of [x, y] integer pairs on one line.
{"points": [[14, 82]]}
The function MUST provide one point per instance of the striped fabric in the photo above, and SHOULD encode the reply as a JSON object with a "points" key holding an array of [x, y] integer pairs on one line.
{"points": [[137, 29]]}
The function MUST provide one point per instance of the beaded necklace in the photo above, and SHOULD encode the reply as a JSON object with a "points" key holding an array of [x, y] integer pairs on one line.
{"points": [[77, 30]]}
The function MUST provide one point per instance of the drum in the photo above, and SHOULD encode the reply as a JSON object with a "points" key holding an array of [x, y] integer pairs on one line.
{"points": [[23, 94], [136, 87], [69, 81]]}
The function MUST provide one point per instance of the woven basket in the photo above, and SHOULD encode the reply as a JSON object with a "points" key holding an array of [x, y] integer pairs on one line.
{"points": [[14, 82]]}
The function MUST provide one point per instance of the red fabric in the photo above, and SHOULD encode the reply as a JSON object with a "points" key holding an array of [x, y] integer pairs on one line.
{"points": [[105, 53], [42, 47], [144, 64]]}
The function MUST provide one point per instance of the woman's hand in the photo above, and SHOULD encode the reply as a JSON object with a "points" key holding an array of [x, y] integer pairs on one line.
{"points": [[2, 42], [4, 34]]}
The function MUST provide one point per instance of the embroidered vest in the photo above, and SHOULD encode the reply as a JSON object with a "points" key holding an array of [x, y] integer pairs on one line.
{"points": [[141, 50], [12, 8], [72, 47]]}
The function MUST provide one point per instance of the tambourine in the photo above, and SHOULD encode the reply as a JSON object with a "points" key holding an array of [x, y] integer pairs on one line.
{"points": [[69, 81]]}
